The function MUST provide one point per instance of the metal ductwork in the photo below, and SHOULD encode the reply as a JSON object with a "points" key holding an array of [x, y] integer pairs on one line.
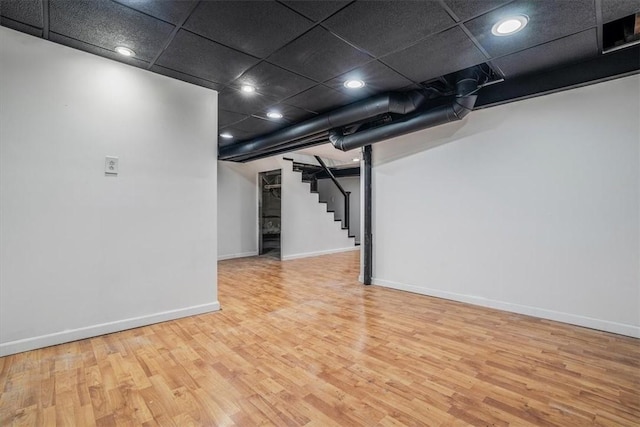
{"points": [[369, 121], [467, 86], [396, 103]]}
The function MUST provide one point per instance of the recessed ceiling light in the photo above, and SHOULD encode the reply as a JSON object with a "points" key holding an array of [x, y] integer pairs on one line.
{"points": [[125, 51], [356, 159], [510, 25], [226, 135], [354, 84], [248, 88], [274, 115]]}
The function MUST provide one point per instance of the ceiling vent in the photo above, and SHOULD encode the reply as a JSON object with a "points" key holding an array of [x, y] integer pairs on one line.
{"points": [[621, 33]]}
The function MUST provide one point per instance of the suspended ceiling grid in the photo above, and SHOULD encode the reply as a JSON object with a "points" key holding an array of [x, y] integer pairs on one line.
{"points": [[298, 53]]}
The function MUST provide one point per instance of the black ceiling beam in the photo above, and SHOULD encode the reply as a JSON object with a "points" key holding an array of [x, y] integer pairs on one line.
{"points": [[340, 172], [605, 67], [337, 172]]}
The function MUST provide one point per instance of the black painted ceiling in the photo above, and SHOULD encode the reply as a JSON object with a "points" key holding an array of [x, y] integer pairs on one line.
{"points": [[298, 53]]}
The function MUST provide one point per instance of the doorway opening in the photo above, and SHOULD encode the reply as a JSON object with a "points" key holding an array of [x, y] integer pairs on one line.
{"points": [[270, 210]]}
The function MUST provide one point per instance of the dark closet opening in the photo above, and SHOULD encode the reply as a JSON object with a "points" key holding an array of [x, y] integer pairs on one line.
{"points": [[270, 212]]}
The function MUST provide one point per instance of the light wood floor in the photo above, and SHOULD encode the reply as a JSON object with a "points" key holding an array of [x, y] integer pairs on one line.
{"points": [[302, 343]]}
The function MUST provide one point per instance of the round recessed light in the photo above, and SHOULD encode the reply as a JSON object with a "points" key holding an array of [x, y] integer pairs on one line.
{"points": [[274, 115], [248, 88], [125, 51], [510, 25], [354, 84], [226, 135]]}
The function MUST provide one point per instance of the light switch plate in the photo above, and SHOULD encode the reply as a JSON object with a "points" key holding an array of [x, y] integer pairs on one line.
{"points": [[111, 165]]}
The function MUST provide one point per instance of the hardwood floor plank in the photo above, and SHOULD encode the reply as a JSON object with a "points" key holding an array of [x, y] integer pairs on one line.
{"points": [[301, 342]]}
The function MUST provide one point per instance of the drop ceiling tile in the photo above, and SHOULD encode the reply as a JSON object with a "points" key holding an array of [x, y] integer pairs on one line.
{"points": [[199, 57], [186, 77], [320, 99], [316, 10], [290, 113], [465, 9], [255, 27], [274, 81], [107, 24], [559, 52], [19, 26], [249, 128], [257, 126], [377, 77], [616, 9], [76, 44], [170, 11], [319, 55], [237, 135], [380, 27], [25, 11], [436, 56], [226, 118], [548, 20], [245, 103]]}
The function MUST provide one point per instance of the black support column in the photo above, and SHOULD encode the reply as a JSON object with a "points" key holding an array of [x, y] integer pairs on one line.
{"points": [[368, 236]]}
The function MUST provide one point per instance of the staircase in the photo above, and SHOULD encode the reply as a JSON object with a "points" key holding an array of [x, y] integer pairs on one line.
{"points": [[309, 175]]}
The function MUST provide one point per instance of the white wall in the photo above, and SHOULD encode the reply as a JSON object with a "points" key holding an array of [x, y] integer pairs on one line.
{"points": [[307, 229], [238, 210], [238, 206], [335, 200], [531, 207], [81, 253]]}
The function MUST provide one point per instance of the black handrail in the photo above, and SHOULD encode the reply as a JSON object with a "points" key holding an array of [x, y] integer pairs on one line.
{"points": [[346, 194]]}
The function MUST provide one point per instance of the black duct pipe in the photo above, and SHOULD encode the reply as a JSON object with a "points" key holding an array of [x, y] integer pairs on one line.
{"points": [[315, 139], [399, 103], [466, 89], [282, 150]]}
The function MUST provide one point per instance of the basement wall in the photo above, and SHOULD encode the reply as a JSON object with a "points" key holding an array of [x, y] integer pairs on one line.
{"points": [[81, 253], [238, 209], [530, 207], [307, 229]]}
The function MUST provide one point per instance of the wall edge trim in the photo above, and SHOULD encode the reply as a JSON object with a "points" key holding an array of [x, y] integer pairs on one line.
{"points": [[317, 253], [61, 337], [238, 255], [573, 319]]}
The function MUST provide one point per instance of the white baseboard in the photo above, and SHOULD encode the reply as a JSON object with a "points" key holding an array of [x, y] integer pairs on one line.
{"points": [[317, 253], [574, 319], [55, 338], [239, 255]]}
